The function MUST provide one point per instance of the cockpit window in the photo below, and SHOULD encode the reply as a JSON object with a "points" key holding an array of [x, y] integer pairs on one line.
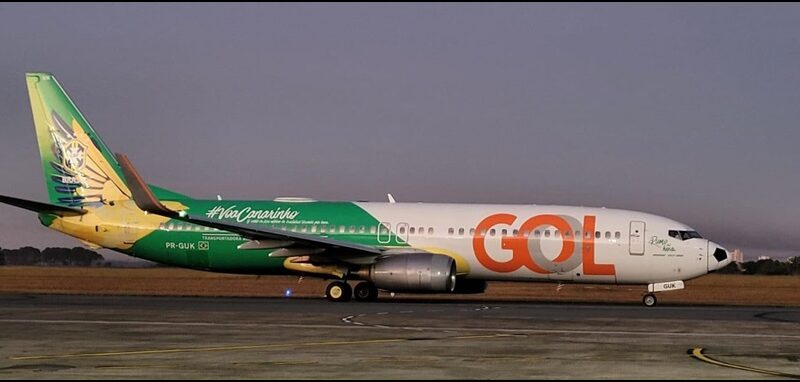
{"points": [[684, 235]]}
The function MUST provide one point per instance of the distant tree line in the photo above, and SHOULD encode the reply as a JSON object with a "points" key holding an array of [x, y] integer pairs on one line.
{"points": [[76, 257], [790, 266]]}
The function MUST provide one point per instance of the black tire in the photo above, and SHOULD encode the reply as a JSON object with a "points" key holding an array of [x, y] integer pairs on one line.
{"points": [[649, 300], [339, 291], [366, 292]]}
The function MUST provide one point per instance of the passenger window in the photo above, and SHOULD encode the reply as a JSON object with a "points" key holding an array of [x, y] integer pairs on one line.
{"points": [[451, 231], [608, 234], [430, 231], [421, 231], [567, 233], [547, 233], [472, 231], [537, 233], [557, 233], [384, 230], [504, 232], [411, 230], [483, 232], [492, 232], [402, 230], [341, 229], [352, 229], [373, 230], [617, 235], [303, 228], [460, 232], [362, 229], [516, 232], [323, 229], [597, 235]]}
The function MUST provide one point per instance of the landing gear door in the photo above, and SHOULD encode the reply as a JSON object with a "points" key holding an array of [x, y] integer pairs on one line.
{"points": [[636, 238]]}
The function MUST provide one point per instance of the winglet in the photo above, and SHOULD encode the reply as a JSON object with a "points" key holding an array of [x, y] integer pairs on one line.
{"points": [[142, 194]]}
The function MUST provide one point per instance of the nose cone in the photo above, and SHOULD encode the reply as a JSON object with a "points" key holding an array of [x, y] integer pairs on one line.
{"points": [[718, 257]]}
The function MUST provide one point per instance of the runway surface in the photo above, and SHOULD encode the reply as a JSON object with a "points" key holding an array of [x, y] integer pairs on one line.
{"points": [[70, 337]]}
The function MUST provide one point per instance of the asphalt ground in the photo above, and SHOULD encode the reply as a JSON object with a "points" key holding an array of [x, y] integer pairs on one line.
{"points": [[121, 337]]}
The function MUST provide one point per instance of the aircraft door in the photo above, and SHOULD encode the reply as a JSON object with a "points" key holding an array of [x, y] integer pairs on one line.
{"points": [[384, 233], [401, 232], [636, 238]]}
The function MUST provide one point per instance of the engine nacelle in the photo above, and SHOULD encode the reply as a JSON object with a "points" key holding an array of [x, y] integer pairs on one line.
{"points": [[412, 272]]}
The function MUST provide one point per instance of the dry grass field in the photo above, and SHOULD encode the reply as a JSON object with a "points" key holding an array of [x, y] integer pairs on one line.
{"points": [[712, 289]]}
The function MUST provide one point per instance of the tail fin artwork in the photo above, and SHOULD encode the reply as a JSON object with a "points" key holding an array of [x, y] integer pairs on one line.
{"points": [[79, 169]]}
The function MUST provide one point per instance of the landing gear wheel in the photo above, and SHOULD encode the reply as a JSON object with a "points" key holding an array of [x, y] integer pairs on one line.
{"points": [[649, 300], [339, 291], [366, 291]]}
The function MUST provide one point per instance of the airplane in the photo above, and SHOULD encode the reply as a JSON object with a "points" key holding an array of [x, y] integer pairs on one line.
{"points": [[101, 199]]}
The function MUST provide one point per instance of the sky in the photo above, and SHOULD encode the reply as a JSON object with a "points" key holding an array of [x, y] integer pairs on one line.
{"points": [[683, 110]]}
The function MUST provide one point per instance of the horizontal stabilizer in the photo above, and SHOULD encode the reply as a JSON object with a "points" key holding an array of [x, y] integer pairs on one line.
{"points": [[41, 207]]}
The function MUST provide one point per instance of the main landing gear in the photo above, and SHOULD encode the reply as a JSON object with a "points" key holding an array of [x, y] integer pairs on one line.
{"points": [[366, 291], [340, 291]]}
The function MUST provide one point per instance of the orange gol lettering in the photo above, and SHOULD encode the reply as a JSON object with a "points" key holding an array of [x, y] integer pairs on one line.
{"points": [[518, 244]]}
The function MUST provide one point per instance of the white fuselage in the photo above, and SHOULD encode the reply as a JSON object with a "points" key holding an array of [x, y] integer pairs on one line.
{"points": [[541, 243]]}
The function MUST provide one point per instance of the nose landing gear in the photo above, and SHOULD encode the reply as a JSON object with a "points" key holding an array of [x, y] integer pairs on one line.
{"points": [[649, 300]]}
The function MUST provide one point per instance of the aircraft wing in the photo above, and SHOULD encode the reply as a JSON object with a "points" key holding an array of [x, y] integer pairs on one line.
{"points": [[146, 200]]}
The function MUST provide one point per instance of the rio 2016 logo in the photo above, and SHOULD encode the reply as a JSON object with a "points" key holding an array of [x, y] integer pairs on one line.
{"points": [[527, 252]]}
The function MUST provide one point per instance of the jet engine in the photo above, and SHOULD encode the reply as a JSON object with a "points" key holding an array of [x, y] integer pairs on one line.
{"points": [[412, 272]]}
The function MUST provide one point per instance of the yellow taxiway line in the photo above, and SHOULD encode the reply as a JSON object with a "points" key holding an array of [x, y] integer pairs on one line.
{"points": [[698, 353]]}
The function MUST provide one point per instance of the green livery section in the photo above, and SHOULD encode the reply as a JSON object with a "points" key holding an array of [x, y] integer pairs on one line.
{"points": [[193, 246], [90, 199]]}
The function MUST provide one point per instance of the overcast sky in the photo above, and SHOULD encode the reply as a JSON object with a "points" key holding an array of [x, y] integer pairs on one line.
{"points": [[683, 110]]}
